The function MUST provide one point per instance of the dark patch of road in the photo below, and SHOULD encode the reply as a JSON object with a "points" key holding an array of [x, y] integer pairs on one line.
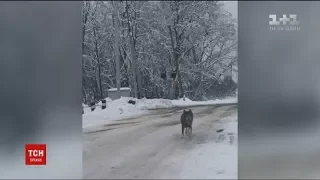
{"points": [[117, 124], [112, 127], [167, 115], [100, 130], [172, 123]]}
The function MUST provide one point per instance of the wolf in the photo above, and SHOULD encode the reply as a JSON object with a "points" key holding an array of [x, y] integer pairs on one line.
{"points": [[186, 122]]}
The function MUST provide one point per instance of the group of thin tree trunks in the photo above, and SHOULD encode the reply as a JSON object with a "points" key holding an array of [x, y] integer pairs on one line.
{"points": [[166, 49]]}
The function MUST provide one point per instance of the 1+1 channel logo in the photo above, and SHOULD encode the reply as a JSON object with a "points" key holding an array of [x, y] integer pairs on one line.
{"points": [[285, 23]]}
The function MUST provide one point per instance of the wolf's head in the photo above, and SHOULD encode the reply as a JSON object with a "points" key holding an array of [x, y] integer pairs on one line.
{"points": [[187, 113]]}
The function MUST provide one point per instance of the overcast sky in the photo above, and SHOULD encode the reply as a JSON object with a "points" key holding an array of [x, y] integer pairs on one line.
{"points": [[232, 7]]}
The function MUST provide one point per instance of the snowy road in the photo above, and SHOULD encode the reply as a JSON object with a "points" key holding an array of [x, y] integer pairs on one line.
{"points": [[151, 146]]}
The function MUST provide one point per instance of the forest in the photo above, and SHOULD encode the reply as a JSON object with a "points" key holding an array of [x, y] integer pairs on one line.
{"points": [[163, 49]]}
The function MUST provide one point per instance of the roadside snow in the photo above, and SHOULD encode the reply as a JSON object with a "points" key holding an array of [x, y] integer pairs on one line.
{"points": [[215, 160], [189, 102], [120, 108], [117, 109]]}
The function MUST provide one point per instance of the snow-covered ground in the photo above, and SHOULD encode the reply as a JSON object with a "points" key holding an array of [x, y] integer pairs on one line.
{"points": [[151, 147], [189, 102], [215, 160], [120, 108]]}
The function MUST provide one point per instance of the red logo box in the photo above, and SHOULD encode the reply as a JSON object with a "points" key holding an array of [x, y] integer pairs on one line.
{"points": [[36, 154]]}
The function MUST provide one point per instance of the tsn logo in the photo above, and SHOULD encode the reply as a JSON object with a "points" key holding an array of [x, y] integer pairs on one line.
{"points": [[36, 154]]}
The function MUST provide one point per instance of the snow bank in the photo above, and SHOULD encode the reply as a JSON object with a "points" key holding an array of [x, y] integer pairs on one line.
{"points": [[116, 109], [189, 102], [214, 160], [154, 103], [120, 108], [166, 103]]}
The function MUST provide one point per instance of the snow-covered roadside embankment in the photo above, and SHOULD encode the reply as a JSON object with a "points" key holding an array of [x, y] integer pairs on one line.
{"points": [[120, 108]]}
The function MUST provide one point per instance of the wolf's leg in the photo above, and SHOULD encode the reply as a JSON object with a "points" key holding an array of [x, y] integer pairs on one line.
{"points": [[182, 130], [189, 131]]}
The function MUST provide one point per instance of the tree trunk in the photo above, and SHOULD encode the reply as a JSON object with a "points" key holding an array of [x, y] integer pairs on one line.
{"points": [[128, 67], [117, 39], [140, 90], [96, 94], [126, 74], [133, 57], [84, 94], [194, 55], [169, 85], [175, 90], [99, 64], [85, 18], [177, 51], [178, 54], [169, 79], [134, 67]]}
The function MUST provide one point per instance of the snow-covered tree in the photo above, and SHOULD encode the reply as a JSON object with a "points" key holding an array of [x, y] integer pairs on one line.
{"points": [[196, 40]]}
